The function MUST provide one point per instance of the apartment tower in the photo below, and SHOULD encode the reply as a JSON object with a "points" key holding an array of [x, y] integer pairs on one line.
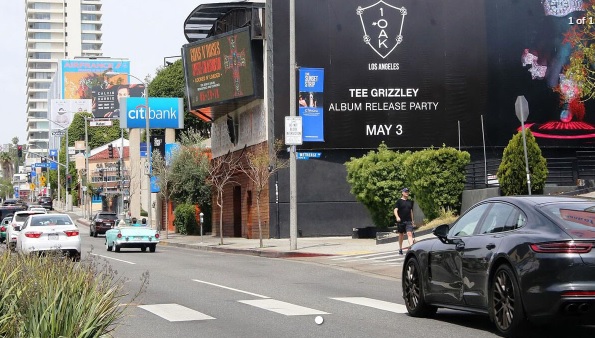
{"points": [[56, 30]]}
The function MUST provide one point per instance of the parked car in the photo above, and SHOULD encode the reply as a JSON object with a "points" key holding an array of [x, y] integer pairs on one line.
{"points": [[131, 236], [516, 259], [6, 211], [40, 209], [3, 226], [12, 201], [46, 202], [12, 230], [49, 232], [102, 222]]}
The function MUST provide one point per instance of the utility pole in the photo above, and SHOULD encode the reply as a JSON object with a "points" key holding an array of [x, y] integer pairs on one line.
{"points": [[292, 112]]}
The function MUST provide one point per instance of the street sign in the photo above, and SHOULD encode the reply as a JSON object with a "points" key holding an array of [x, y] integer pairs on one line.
{"points": [[42, 180], [100, 123], [293, 130], [41, 165], [307, 155], [59, 132], [521, 108]]}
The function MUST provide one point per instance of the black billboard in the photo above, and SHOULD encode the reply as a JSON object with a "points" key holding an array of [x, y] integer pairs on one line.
{"points": [[219, 69], [420, 73]]}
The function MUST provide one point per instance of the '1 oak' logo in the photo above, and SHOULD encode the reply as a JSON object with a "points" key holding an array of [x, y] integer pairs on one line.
{"points": [[383, 26]]}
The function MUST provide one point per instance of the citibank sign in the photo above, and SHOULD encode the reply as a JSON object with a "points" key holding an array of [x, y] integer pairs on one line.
{"points": [[163, 112]]}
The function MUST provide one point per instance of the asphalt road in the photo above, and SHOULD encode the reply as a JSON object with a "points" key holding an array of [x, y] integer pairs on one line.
{"points": [[194, 293]]}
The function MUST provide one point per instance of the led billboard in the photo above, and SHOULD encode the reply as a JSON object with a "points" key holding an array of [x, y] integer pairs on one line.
{"points": [[219, 69]]}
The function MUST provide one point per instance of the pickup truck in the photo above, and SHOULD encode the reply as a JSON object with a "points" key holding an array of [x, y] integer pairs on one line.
{"points": [[131, 236]]}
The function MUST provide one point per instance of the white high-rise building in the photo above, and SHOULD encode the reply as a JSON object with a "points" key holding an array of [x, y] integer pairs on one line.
{"points": [[56, 30]]}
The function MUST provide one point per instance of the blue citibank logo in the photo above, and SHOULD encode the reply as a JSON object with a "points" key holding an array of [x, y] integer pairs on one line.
{"points": [[164, 112]]}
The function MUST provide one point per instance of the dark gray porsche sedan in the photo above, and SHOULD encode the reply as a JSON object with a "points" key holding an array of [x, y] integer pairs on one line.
{"points": [[516, 259]]}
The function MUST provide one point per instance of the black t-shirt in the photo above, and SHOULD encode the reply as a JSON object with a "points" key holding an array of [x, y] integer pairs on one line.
{"points": [[404, 208]]}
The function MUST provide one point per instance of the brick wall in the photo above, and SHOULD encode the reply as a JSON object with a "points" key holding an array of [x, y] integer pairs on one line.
{"points": [[249, 219]]}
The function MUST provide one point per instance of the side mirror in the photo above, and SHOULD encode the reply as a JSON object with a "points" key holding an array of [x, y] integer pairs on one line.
{"points": [[17, 228], [441, 232]]}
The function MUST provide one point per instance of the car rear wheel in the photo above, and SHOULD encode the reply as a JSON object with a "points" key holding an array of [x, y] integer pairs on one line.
{"points": [[90, 232], [115, 247], [153, 247], [413, 291], [107, 246], [143, 248], [506, 305]]}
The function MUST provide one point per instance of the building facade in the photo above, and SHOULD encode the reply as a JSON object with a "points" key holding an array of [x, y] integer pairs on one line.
{"points": [[55, 30]]}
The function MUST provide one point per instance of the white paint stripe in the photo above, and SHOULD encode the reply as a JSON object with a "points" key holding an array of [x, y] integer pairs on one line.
{"points": [[355, 259], [374, 303], [283, 308], [115, 259], [232, 289], [175, 312], [363, 256]]}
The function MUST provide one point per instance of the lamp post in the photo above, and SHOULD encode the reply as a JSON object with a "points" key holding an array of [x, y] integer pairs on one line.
{"points": [[147, 138]]}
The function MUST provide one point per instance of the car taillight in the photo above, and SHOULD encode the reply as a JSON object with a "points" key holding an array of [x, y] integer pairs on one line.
{"points": [[119, 236], [33, 234], [71, 233], [156, 235], [2, 229], [578, 294], [562, 247]]}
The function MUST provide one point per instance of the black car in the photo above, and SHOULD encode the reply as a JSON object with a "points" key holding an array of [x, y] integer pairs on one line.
{"points": [[102, 222], [516, 259], [46, 202]]}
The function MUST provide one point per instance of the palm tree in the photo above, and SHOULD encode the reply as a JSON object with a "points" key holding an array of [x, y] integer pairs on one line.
{"points": [[6, 161]]}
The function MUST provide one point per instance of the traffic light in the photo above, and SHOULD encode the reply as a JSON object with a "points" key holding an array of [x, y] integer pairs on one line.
{"points": [[118, 169], [20, 151], [69, 179], [110, 151], [44, 160], [101, 173]]}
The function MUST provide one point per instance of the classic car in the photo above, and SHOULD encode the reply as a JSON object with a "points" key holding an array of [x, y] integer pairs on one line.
{"points": [[131, 236], [5, 222]]}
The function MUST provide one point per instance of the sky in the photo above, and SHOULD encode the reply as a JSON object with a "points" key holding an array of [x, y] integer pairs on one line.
{"points": [[143, 31]]}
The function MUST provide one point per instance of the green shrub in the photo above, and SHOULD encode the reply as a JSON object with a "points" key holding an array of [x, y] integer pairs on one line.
{"points": [[50, 296], [512, 174], [376, 180], [185, 219], [437, 178]]}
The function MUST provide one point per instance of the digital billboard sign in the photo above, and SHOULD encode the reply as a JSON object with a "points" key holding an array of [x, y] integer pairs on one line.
{"points": [[219, 69], [421, 73]]}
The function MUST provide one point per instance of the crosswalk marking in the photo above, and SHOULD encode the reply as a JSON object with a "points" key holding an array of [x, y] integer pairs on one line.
{"points": [[374, 303], [175, 312], [283, 308]]}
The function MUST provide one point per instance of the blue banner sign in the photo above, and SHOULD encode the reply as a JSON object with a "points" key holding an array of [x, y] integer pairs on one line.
{"points": [[41, 165], [170, 148], [164, 112], [53, 153], [154, 186], [53, 166], [310, 103]]}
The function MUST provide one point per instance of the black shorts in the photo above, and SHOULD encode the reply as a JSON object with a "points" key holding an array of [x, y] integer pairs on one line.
{"points": [[403, 227]]}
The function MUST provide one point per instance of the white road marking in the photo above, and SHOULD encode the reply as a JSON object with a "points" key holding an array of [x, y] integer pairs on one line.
{"points": [[374, 303], [115, 259], [283, 308], [175, 312], [232, 289]]}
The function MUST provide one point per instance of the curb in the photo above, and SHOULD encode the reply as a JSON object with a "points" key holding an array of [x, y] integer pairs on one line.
{"points": [[251, 252]]}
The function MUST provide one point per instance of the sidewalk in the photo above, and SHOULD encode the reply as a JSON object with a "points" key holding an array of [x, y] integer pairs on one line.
{"points": [[273, 248], [279, 248]]}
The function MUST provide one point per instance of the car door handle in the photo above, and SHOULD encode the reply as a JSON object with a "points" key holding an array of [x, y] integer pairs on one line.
{"points": [[460, 246], [490, 246]]}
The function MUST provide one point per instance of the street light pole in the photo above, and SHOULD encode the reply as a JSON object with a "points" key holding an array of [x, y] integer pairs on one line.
{"points": [[292, 112]]}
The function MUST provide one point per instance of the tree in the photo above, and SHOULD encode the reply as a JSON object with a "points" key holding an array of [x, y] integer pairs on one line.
{"points": [[6, 188], [259, 165], [221, 172], [6, 160], [376, 180], [436, 177], [512, 173], [169, 82], [160, 170]]}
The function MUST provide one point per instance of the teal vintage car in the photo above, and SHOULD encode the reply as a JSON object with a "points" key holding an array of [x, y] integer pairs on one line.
{"points": [[131, 236], [5, 223]]}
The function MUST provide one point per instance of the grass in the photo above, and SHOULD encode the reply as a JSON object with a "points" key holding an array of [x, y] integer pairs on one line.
{"points": [[51, 296]]}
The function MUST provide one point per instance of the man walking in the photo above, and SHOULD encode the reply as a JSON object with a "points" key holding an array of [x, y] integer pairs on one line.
{"points": [[404, 214]]}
